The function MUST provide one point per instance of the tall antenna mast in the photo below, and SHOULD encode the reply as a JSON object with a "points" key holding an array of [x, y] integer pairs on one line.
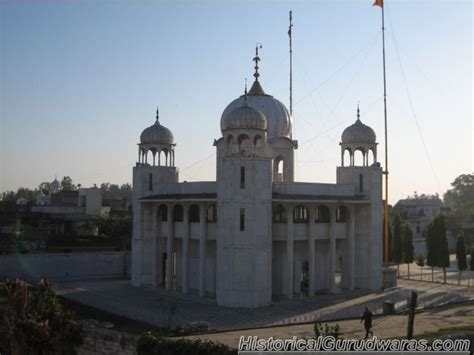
{"points": [[386, 232], [291, 64]]}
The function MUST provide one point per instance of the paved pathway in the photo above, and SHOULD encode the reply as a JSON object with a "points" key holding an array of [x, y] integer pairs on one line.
{"points": [[153, 305], [384, 327]]}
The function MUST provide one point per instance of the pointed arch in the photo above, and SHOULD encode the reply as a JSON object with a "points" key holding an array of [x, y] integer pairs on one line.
{"points": [[211, 215], [322, 214], [342, 214], [279, 214], [278, 168], [346, 157], [259, 145], [359, 157], [245, 145], [300, 214]]}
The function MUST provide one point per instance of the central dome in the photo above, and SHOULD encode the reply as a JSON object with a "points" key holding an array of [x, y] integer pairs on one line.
{"points": [[278, 118]]}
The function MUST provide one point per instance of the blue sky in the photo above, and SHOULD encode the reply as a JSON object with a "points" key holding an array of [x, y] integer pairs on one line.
{"points": [[80, 80]]}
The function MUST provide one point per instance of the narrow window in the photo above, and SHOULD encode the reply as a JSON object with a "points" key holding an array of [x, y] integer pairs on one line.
{"points": [[242, 219], [211, 214], [150, 182], [242, 177], [163, 213], [361, 183]]}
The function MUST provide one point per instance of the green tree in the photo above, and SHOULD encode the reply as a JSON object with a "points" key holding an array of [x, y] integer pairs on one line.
{"points": [[461, 255], [461, 197], [126, 190], [397, 250], [44, 187], [437, 245], [26, 193], [407, 241], [115, 191], [8, 196], [443, 246], [67, 184], [430, 247], [115, 227]]}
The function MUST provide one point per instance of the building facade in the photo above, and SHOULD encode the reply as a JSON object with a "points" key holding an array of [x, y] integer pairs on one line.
{"points": [[418, 212], [255, 234]]}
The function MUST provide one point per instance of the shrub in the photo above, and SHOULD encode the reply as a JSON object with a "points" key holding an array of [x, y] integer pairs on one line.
{"points": [[326, 330], [420, 260], [35, 322], [149, 344]]}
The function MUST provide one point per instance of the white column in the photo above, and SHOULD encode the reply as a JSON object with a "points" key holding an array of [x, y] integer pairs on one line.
{"points": [[169, 249], [311, 239], [185, 251], [332, 249], [155, 245], [202, 249], [137, 255], [351, 246], [289, 251]]}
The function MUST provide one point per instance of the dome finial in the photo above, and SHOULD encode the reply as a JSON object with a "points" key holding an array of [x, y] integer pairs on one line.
{"points": [[358, 112], [157, 114], [256, 59]]}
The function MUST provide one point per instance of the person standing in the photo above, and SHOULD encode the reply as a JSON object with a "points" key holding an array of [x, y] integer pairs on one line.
{"points": [[367, 318]]}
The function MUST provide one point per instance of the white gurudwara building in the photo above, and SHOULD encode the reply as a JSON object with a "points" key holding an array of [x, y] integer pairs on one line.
{"points": [[256, 234]]}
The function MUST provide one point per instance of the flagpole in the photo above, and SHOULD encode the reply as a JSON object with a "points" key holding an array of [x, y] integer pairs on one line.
{"points": [[386, 232], [291, 65]]}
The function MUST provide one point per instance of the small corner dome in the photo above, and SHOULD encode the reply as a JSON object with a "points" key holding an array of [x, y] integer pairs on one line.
{"points": [[244, 117], [157, 134], [358, 133]]}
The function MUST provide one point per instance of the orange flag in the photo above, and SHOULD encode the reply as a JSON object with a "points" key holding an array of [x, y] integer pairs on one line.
{"points": [[378, 3]]}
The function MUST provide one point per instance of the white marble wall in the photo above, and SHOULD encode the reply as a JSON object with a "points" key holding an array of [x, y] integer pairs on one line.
{"points": [[244, 257]]}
